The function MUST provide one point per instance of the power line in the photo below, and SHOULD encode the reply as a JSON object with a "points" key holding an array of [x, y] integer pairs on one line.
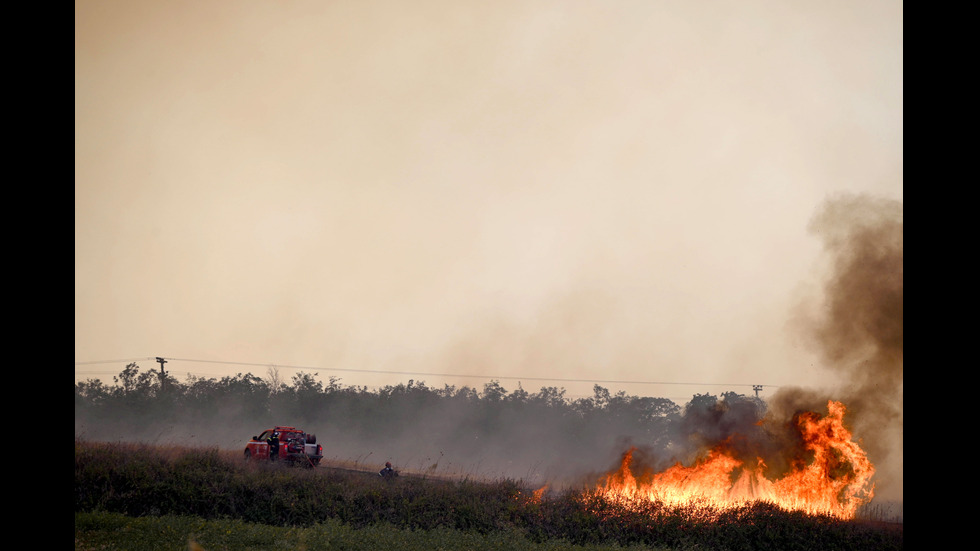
{"points": [[457, 375], [130, 360]]}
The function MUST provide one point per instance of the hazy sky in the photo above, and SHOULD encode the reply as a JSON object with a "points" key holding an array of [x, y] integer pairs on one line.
{"points": [[597, 190]]}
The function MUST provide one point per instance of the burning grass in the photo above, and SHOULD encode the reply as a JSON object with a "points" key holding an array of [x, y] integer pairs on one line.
{"points": [[140, 481], [828, 474]]}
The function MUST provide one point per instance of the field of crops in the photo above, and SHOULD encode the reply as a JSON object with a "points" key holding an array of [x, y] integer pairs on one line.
{"points": [[136, 497]]}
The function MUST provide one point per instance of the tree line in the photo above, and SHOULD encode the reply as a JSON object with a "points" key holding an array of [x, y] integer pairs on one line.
{"points": [[492, 426]]}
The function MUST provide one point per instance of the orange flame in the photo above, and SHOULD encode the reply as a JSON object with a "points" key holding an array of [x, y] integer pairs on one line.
{"points": [[535, 497], [834, 481]]}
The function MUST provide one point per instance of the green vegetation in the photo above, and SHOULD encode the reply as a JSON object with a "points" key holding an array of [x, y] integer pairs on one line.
{"points": [[135, 496], [112, 531]]}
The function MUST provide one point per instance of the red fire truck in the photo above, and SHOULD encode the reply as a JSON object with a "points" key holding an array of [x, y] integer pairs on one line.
{"points": [[287, 444]]}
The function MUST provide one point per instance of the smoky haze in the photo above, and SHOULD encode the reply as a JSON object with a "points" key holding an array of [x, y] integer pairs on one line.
{"points": [[546, 437], [554, 189], [559, 189], [855, 322], [540, 437]]}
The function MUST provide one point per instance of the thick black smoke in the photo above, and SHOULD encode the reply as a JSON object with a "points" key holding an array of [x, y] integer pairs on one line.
{"points": [[858, 328]]}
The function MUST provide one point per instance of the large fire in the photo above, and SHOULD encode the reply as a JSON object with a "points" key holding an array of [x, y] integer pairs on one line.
{"points": [[828, 474]]}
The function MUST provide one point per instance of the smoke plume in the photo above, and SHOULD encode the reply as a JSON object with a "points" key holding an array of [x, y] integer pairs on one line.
{"points": [[857, 328]]}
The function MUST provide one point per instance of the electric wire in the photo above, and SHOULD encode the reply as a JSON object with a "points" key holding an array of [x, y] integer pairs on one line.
{"points": [[431, 374]]}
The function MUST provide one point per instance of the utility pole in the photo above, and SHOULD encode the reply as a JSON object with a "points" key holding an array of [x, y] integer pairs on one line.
{"points": [[162, 361], [756, 388]]}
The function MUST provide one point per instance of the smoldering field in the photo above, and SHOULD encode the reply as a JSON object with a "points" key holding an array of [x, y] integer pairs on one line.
{"points": [[541, 436]]}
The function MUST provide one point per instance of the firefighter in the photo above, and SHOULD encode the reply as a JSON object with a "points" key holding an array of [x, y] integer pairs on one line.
{"points": [[274, 446]]}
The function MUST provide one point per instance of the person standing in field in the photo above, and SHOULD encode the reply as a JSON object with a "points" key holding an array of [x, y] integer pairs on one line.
{"points": [[274, 446]]}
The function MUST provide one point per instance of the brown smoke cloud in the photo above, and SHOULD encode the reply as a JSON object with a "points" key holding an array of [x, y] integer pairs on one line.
{"points": [[858, 327]]}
